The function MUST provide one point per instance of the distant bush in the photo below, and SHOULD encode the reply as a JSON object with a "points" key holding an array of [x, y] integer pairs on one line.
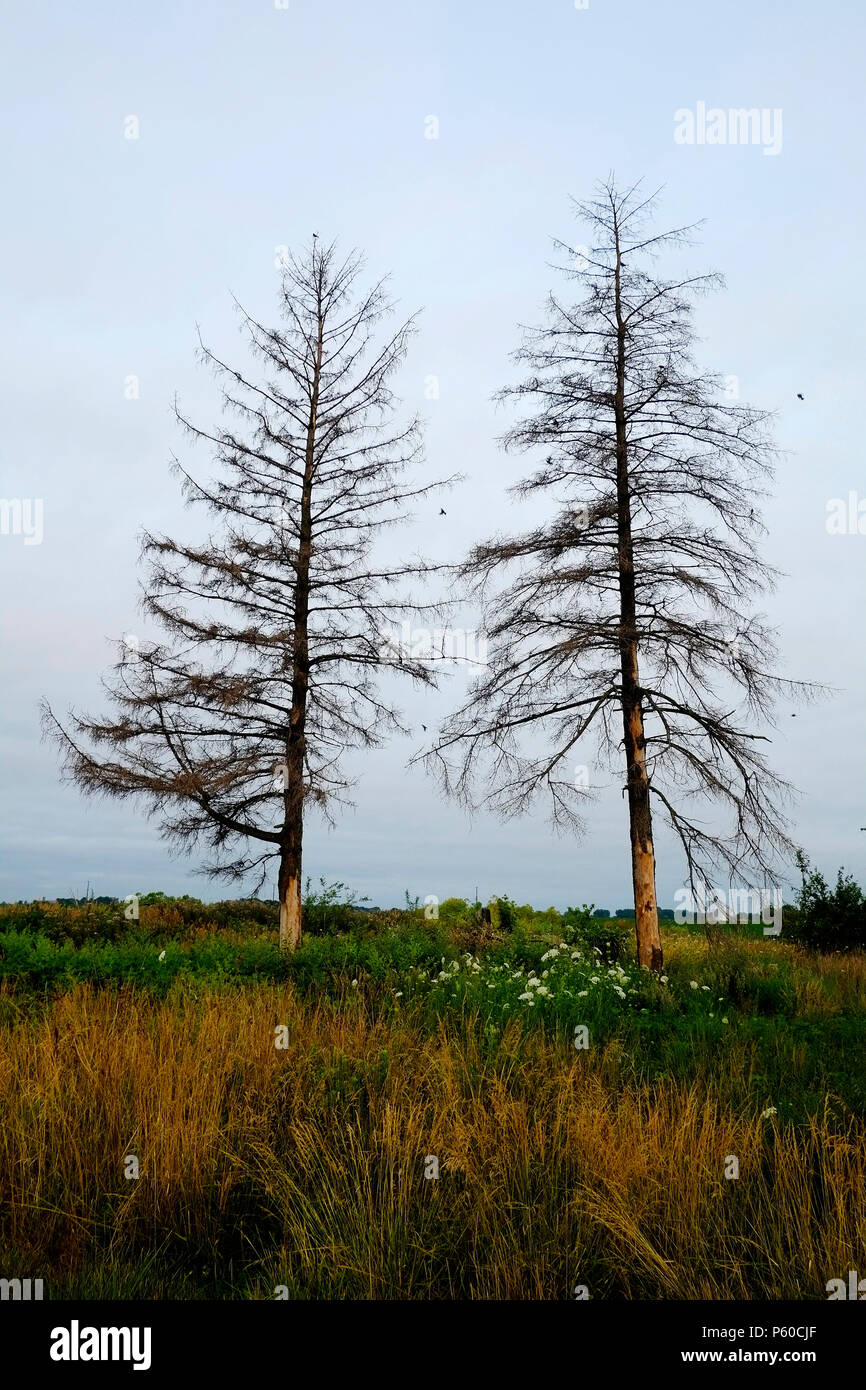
{"points": [[332, 908], [578, 920], [85, 921], [503, 913], [824, 919], [581, 928], [156, 910], [455, 911]]}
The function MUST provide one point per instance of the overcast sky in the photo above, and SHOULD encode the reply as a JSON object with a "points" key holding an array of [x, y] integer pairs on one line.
{"points": [[258, 125]]}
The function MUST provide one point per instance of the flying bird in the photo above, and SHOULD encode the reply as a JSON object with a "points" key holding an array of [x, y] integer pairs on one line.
{"points": [[424, 727], [800, 396], [442, 511]]}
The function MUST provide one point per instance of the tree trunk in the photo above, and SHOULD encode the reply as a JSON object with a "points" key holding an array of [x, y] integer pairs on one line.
{"points": [[289, 895], [291, 847], [293, 822], [646, 917], [649, 945]]}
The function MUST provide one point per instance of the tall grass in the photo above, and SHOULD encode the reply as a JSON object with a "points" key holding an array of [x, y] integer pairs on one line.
{"points": [[304, 1166]]}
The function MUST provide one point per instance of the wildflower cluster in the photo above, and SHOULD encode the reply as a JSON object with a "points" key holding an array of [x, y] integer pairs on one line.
{"points": [[567, 983]]}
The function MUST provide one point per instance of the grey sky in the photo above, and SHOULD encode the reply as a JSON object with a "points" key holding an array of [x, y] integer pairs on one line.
{"points": [[259, 125]]}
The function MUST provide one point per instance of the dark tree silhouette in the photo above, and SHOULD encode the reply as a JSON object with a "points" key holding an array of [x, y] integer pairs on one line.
{"points": [[278, 624], [628, 607]]}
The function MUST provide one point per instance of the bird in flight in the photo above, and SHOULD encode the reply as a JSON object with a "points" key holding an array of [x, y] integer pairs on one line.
{"points": [[442, 511], [800, 396]]}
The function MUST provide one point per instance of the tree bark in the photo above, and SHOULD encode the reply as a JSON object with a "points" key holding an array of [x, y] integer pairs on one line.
{"points": [[649, 946], [290, 899]]}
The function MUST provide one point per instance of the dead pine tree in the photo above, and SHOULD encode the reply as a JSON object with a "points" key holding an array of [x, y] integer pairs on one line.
{"points": [[279, 625], [625, 614]]}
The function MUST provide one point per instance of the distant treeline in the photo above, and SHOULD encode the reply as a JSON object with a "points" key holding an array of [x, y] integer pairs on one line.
{"points": [[666, 914]]}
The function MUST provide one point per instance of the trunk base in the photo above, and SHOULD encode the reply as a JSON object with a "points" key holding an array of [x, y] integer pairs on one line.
{"points": [[290, 916]]}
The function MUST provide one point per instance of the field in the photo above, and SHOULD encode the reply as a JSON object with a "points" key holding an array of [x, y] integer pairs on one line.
{"points": [[288, 1117]]}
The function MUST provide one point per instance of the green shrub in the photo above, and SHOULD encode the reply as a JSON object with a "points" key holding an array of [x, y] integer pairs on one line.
{"points": [[828, 920], [504, 913], [77, 923], [456, 912], [331, 908], [581, 928]]}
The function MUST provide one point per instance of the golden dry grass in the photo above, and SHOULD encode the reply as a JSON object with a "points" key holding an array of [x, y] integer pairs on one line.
{"points": [[305, 1166]]}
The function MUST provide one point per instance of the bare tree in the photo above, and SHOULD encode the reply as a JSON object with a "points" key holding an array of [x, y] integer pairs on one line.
{"points": [[629, 605], [278, 625]]}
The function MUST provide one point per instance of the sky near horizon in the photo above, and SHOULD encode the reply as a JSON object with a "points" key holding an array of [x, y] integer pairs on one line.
{"points": [[155, 160]]}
